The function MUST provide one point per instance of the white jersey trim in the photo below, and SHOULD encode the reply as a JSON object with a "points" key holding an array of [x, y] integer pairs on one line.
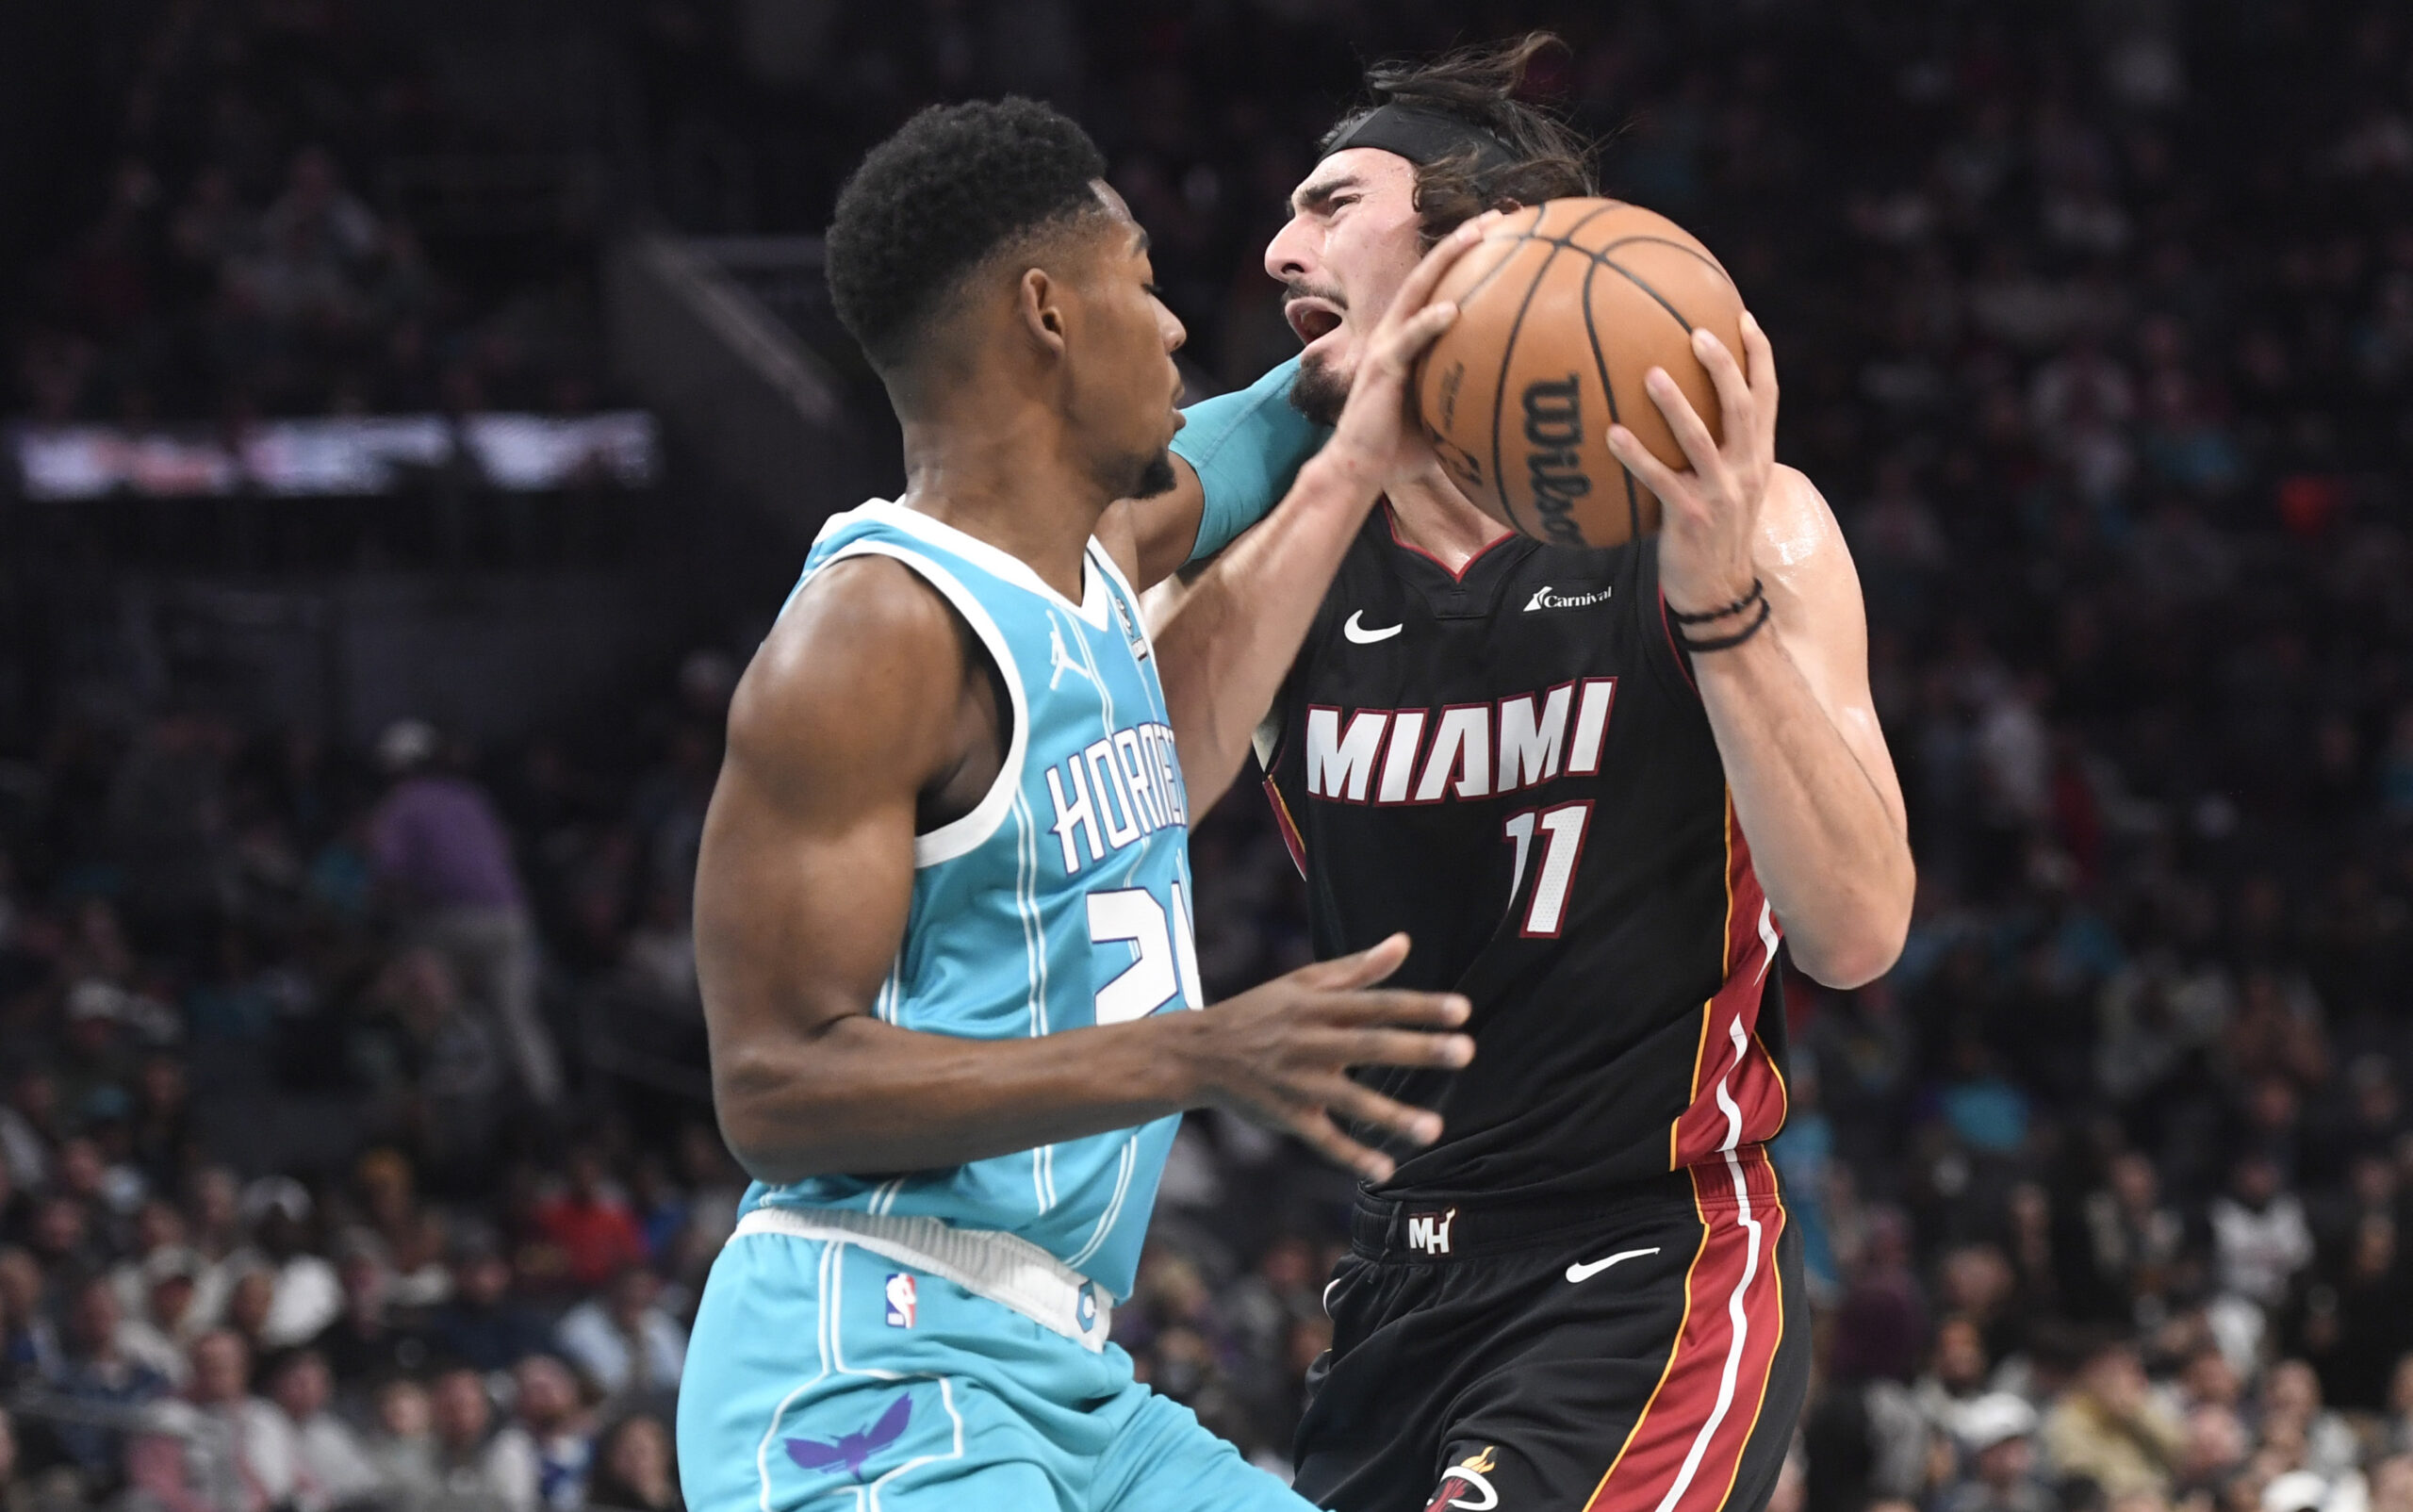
{"points": [[1105, 560], [961, 837], [1092, 608]]}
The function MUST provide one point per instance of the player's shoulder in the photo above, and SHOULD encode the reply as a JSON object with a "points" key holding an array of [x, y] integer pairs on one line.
{"points": [[866, 639]]}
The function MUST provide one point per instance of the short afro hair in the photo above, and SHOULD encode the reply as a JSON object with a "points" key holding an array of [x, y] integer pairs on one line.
{"points": [[955, 185]]}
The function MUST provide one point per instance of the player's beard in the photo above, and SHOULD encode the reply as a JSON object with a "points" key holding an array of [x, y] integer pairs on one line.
{"points": [[1156, 477], [1319, 392]]}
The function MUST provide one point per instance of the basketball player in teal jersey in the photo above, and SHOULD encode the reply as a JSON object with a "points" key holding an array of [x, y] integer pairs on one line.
{"points": [[943, 913]]}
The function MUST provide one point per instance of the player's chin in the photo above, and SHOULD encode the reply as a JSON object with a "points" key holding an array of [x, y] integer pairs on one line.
{"points": [[1322, 387], [1153, 476]]}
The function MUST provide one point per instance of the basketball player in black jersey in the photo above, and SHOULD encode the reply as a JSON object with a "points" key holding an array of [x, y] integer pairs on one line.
{"points": [[1608, 793]]}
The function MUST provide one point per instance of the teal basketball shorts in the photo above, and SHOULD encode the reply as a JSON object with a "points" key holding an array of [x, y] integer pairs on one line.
{"points": [[824, 1375]]}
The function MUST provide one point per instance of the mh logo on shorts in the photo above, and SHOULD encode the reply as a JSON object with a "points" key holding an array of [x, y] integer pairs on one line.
{"points": [[1429, 1233], [1465, 1485]]}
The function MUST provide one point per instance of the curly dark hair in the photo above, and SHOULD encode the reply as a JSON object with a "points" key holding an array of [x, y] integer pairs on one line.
{"points": [[954, 186], [1479, 85]]}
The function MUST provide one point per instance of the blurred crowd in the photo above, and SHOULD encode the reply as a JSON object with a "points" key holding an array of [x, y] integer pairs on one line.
{"points": [[2097, 326], [352, 1141], [248, 252]]}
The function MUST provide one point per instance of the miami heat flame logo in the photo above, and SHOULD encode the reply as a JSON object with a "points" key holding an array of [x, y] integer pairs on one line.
{"points": [[1466, 1485]]}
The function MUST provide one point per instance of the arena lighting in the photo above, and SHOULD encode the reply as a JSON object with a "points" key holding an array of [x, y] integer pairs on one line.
{"points": [[354, 456]]}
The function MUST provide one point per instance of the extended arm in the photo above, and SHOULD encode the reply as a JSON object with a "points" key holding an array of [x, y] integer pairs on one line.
{"points": [[1814, 785], [1232, 460], [1228, 644], [852, 712]]}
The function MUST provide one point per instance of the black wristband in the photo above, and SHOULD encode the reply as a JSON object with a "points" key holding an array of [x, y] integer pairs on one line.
{"points": [[1727, 643], [1757, 595]]}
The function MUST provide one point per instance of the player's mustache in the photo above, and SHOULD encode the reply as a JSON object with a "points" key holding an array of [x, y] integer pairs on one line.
{"points": [[1292, 293]]}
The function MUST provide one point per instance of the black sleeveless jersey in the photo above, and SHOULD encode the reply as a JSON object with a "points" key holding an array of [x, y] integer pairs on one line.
{"points": [[1512, 764]]}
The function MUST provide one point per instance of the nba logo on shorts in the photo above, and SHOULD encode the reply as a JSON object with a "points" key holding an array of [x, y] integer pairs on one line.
{"points": [[902, 1300]]}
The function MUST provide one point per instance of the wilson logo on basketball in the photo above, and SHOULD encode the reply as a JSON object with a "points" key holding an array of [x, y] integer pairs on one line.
{"points": [[1450, 383], [1554, 429]]}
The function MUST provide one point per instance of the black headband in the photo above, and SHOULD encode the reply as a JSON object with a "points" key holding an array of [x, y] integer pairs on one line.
{"points": [[1423, 136]]}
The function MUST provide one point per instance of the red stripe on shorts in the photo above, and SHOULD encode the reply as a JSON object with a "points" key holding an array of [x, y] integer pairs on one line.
{"points": [[1685, 1448]]}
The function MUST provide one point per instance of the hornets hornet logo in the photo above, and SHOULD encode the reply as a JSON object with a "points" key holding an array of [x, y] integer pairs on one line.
{"points": [[1466, 1486]]}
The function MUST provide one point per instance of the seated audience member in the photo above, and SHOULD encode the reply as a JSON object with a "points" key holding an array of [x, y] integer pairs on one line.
{"points": [[95, 1375], [591, 1224], [481, 1323], [479, 1468], [403, 1448], [333, 1465], [1996, 1434], [559, 1432], [260, 1450], [634, 1472], [627, 1344], [2108, 1427]]}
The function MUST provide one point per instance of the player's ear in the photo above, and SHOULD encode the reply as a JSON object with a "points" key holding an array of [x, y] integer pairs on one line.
{"points": [[1038, 298]]}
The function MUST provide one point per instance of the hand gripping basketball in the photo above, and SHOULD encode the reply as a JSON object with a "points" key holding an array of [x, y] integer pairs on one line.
{"points": [[1378, 430], [1712, 508]]}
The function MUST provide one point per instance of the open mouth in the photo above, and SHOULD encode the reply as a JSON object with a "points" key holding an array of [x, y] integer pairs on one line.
{"points": [[1311, 317]]}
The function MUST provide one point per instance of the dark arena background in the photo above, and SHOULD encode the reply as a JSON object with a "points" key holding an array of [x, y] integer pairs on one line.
{"points": [[455, 384]]}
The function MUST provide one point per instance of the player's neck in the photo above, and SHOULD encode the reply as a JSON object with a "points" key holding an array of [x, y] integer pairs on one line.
{"points": [[1431, 515], [989, 478]]}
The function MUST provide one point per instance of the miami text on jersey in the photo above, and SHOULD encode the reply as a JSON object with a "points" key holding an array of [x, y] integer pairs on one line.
{"points": [[1464, 750]]}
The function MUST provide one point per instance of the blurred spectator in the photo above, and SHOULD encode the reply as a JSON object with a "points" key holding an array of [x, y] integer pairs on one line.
{"points": [[2110, 1429], [1997, 1432], [332, 1466], [2259, 1236], [443, 856], [482, 1324], [559, 1434], [306, 1294], [94, 1375], [590, 1224], [625, 1341], [253, 1446], [478, 1466], [633, 1473], [368, 1342], [403, 1448]]}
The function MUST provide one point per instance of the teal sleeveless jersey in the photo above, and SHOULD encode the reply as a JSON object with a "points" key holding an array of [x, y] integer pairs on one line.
{"points": [[1061, 901]]}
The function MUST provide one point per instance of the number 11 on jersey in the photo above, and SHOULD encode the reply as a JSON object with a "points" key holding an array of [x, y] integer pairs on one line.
{"points": [[1560, 829]]}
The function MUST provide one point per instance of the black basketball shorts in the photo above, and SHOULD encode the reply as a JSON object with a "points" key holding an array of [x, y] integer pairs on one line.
{"points": [[1648, 1352]]}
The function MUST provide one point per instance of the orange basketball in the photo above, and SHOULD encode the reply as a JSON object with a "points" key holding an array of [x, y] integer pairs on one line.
{"points": [[1561, 310]]}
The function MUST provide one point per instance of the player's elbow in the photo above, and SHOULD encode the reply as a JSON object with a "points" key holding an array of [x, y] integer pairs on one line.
{"points": [[1858, 949], [769, 1118]]}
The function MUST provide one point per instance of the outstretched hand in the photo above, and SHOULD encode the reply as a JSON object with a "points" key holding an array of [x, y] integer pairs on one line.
{"points": [[1280, 1054], [1711, 510]]}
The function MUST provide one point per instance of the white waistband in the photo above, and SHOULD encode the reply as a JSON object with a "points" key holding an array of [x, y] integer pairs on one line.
{"points": [[1008, 1270]]}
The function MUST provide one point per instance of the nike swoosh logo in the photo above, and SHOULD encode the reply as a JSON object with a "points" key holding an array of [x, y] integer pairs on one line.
{"points": [[1359, 635], [1585, 1272]]}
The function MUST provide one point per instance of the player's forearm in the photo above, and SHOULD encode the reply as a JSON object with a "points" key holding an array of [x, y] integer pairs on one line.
{"points": [[1225, 650], [1833, 860], [863, 1098]]}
